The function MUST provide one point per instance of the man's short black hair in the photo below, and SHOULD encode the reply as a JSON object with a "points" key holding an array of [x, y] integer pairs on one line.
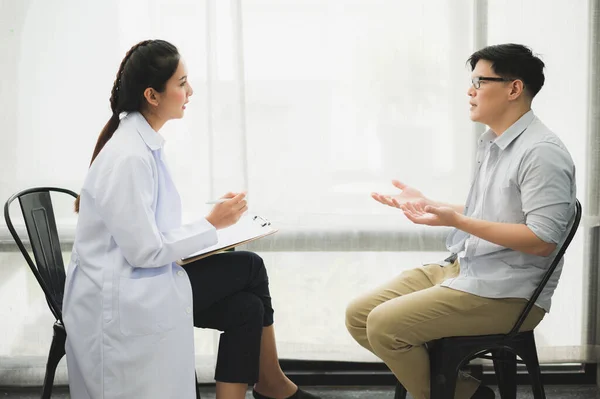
{"points": [[513, 61]]}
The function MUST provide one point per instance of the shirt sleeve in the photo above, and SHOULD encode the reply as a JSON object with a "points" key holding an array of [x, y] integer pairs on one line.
{"points": [[124, 198], [547, 183]]}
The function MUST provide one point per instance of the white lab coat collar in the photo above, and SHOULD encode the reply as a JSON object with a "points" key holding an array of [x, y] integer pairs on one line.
{"points": [[152, 138]]}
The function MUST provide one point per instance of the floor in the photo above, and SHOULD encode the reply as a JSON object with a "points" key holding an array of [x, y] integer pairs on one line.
{"points": [[552, 392]]}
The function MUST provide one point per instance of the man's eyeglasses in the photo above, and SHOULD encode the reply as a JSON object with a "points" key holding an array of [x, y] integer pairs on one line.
{"points": [[476, 81]]}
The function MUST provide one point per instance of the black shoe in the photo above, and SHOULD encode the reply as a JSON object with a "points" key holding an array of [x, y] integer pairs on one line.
{"points": [[484, 392], [299, 394]]}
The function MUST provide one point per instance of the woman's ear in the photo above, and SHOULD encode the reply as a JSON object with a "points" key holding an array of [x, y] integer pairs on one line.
{"points": [[151, 96]]}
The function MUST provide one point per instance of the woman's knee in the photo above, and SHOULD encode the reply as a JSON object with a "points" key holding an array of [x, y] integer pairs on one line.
{"points": [[252, 309], [258, 263], [251, 257], [255, 263]]}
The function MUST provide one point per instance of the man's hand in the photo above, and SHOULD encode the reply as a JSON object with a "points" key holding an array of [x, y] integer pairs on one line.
{"points": [[430, 215], [410, 195], [407, 195]]}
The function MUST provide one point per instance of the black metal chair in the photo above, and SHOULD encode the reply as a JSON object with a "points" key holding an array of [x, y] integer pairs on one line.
{"points": [[48, 268], [449, 355]]}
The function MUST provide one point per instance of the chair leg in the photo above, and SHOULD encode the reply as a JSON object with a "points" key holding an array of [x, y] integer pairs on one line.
{"points": [[505, 366], [527, 351], [443, 385], [444, 368], [57, 351], [533, 368], [197, 387], [400, 391]]}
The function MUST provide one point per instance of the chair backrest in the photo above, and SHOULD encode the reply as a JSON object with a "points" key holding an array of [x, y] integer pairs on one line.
{"points": [[548, 274], [48, 268]]}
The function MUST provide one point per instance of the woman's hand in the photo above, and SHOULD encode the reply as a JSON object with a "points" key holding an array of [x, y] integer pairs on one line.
{"points": [[228, 212]]}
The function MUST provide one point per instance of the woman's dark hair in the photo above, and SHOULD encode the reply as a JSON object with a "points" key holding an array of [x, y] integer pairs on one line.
{"points": [[513, 61], [150, 63]]}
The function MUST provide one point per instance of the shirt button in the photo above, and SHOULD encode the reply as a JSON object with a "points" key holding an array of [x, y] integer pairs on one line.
{"points": [[188, 310], [180, 273]]}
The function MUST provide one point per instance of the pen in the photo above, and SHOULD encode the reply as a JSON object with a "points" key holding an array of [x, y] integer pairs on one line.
{"points": [[218, 201]]}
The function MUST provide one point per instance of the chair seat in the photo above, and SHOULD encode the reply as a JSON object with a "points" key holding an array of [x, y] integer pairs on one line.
{"points": [[481, 344]]}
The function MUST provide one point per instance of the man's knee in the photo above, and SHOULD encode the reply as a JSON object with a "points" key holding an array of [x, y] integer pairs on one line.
{"points": [[356, 315], [358, 310], [384, 330], [378, 328]]}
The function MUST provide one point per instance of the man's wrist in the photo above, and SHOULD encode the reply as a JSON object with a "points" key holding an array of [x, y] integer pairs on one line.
{"points": [[431, 202], [460, 221]]}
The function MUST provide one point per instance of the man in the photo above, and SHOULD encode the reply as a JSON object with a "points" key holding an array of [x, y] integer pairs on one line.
{"points": [[518, 209]]}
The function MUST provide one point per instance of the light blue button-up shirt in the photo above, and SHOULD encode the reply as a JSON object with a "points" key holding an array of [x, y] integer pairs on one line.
{"points": [[526, 175]]}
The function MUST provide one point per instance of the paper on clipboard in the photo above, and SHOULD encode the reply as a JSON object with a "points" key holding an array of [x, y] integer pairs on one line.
{"points": [[247, 229]]}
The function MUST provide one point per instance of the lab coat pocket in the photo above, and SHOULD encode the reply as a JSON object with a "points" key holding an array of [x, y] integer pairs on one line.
{"points": [[147, 305]]}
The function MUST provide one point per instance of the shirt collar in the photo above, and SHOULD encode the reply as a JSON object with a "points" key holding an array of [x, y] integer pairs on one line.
{"points": [[153, 139], [512, 132]]}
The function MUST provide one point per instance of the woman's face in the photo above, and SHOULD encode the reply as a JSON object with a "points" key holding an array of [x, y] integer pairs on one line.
{"points": [[171, 102]]}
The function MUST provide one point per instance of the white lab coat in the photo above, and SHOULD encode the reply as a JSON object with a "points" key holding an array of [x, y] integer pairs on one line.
{"points": [[128, 307]]}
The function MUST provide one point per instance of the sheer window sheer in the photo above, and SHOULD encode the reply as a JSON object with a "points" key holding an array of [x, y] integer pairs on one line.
{"points": [[309, 105]]}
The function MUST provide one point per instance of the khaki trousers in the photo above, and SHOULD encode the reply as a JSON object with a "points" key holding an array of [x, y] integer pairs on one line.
{"points": [[396, 319]]}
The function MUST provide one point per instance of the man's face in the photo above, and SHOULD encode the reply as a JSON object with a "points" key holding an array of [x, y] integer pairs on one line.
{"points": [[491, 99]]}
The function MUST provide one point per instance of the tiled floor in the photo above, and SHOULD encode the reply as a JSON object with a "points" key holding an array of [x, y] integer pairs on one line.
{"points": [[552, 392]]}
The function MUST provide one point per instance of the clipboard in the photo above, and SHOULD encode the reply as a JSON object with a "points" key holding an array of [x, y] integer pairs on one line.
{"points": [[247, 229]]}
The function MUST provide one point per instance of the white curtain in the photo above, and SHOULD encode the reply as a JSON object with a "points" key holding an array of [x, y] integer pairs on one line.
{"points": [[558, 32], [309, 105]]}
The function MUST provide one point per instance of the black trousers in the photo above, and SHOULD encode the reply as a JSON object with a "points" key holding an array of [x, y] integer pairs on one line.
{"points": [[231, 294]]}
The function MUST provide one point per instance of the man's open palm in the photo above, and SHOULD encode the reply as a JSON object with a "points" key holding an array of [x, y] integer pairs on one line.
{"points": [[430, 215], [407, 194]]}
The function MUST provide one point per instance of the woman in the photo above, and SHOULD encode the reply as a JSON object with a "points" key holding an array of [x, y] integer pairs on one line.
{"points": [[128, 308]]}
